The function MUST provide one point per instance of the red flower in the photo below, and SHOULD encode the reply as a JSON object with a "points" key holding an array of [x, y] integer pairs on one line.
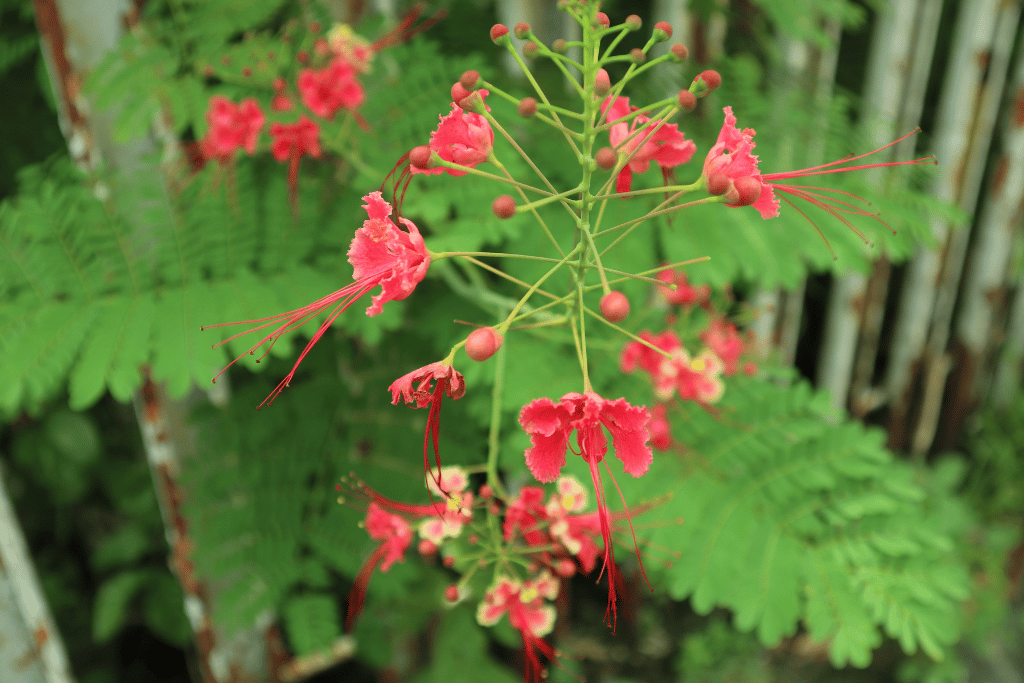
{"points": [[463, 138], [231, 127], [527, 613], [666, 146], [694, 379], [381, 254], [290, 142], [350, 47], [732, 159], [725, 341], [684, 294], [549, 425], [395, 536], [414, 388], [661, 430], [635, 354], [327, 90]]}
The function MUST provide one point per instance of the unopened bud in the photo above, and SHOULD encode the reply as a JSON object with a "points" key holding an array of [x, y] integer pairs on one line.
{"points": [[522, 30], [494, 509], [637, 56], [614, 306], [314, 27], [602, 20], [419, 157], [606, 158], [679, 52], [662, 31], [499, 34], [718, 184], [448, 561], [504, 206], [747, 190], [246, 71], [686, 100], [602, 83], [426, 547], [633, 22], [302, 56], [527, 107], [565, 568], [482, 343], [560, 46], [459, 93], [486, 491], [531, 49], [705, 82], [320, 46], [473, 539], [469, 79], [451, 593], [279, 84]]}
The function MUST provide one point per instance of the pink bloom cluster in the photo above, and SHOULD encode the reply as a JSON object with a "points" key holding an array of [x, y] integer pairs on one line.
{"points": [[677, 373], [643, 142], [685, 294], [231, 127], [528, 613]]}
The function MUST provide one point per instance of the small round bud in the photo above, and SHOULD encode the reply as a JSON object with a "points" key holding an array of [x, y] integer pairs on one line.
{"points": [[527, 107], [748, 189], [602, 20], [662, 31], [246, 71], [459, 93], [486, 491], [614, 306], [279, 84], [419, 157], [495, 509], [448, 561], [602, 83], [302, 56], [565, 568], [633, 22], [426, 547], [522, 30], [499, 34], [469, 79], [482, 343], [679, 52], [504, 206], [718, 184], [560, 46], [207, 70], [225, 60], [750, 368], [637, 56], [606, 158], [473, 539], [686, 100], [712, 79], [531, 49], [314, 27], [320, 46], [451, 593], [271, 55]]}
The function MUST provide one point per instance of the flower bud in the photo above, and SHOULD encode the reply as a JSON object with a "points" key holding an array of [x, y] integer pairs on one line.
{"points": [[662, 31], [718, 184], [565, 568], [686, 100], [527, 107], [504, 206], [522, 30], [473, 539], [614, 306], [499, 34], [482, 343], [279, 84], [606, 158], [451, 593], [426, 547], [314, 27], [679, 52], [486, 491], [246, 71], [419, 157], [637, 56], [448, 561], [531, 49], [705, 82], [602, 83], [633, 22], [602, 20], [459, 93], [469, 79], [747, 191], [302, 56], [560, 46]]}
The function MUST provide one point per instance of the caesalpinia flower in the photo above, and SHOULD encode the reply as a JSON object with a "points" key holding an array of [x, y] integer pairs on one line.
{"points": [[691, 378], [660, 429], [381, 254], [291, 141], [327, 90], [415, 389], [462, 137], [231, 127], [723, 338], [524, 603], [685, 294], [549, 425], [666, 146]]}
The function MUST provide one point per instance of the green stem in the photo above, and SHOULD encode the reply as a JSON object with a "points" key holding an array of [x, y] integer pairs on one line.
{"points": [[493, 437]]}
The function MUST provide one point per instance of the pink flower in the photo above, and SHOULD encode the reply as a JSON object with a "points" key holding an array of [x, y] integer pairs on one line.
{"points": [[694, 379], [636, 355], [381, 254], [661, 430], [395, 536], [290, 142], [415, 389], [327, 90], [725, 341], [684, 294], [463, 138], [350, 47], [666, 146], [526, 515], [731, 169], [549, 425], [527, 613], [231, 127]]}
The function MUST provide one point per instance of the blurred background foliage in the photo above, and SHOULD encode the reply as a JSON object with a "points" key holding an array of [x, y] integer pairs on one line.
{"points": [[809, 551]]}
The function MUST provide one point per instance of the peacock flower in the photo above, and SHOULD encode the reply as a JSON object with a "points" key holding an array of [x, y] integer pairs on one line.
{"points": [[381, 254], [528, 613], [684, 294], [637, 355], [666, 146], [395, 535], [231, 127], [462, 137], [661, 430], [693, 379], [549, 425], [724, 339], [427, 386], [327, 90], [290, 141]]}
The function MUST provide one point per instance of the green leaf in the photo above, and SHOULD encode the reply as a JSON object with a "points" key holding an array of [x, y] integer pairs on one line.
{"points": [[110, 611], [311, 622]]}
